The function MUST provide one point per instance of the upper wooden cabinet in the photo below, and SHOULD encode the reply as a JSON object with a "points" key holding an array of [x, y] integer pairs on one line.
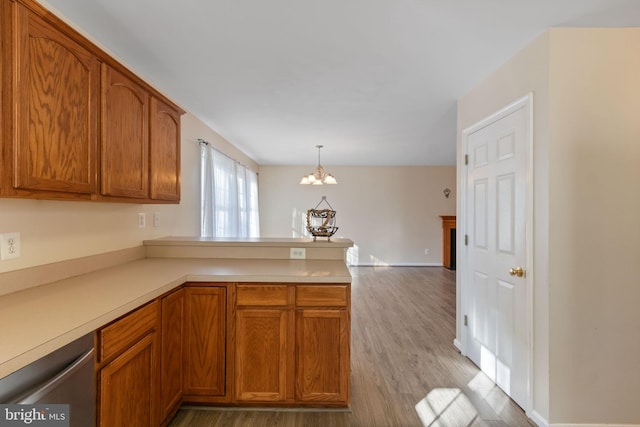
{"points": [[125, 136], [76, 124], [165, 151], [55, 91]]}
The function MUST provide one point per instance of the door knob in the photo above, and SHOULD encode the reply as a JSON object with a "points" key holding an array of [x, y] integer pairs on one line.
{"points": [[518, 271]]}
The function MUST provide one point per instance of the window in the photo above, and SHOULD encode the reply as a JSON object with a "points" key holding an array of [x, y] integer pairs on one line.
{"points": [[228, 195]]}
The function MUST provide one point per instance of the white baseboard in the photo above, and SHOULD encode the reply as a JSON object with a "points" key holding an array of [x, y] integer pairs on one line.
{"points": [[457, 344], [538, 419], [397, 264], [594, 425]]}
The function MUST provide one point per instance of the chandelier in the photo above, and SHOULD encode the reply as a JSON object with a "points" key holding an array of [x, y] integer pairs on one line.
{"points": [[319, 176]]}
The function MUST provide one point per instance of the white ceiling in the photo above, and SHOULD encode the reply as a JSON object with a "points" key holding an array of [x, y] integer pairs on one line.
{"points": [[374, 81]]}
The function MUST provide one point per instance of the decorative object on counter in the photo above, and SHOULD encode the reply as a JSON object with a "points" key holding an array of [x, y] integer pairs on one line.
{"points": [[319, 176], [322, 222], [446, 192]]}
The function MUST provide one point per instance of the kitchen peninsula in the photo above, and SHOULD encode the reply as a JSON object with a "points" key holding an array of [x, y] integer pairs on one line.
{"points": [[228, 322]]}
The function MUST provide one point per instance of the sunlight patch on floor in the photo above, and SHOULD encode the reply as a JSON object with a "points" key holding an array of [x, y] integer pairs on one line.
{"points": [[446, 407], [489, 391]]}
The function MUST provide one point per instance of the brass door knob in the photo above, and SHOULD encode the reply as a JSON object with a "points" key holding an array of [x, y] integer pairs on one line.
{"points": [[518, 271]]}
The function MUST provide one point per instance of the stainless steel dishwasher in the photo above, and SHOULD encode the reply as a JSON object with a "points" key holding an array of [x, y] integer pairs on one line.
{"points": [[64, 376]]}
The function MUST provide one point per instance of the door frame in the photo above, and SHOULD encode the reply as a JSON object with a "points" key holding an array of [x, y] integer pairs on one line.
{"points": [[525, 102]]}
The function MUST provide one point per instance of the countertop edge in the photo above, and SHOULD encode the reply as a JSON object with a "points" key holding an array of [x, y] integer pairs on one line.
{"points": [[337, 243]]}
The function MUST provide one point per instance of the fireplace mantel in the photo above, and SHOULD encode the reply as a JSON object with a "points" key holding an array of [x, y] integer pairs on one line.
{"points": [[448, 223]]}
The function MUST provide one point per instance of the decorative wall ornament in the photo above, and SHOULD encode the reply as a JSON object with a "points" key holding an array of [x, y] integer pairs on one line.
{"points": [[322, 222]]}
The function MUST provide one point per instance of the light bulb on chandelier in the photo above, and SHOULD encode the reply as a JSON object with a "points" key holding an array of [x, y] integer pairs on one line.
{"points": [[319, 176]]}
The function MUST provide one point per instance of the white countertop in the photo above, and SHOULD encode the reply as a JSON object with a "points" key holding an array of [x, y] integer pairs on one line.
{"points": [[39, 320]]}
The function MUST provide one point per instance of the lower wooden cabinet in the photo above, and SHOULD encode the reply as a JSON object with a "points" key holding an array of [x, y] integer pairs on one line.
{"points": [[322, 355], [128, 370], [292, 344], [262, 344], [128, 386], [236, 343], [205, 341], [172, 321], [323, 333]]}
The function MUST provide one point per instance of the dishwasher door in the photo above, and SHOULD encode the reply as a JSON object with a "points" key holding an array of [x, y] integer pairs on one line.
{"points": [[65, 376]]}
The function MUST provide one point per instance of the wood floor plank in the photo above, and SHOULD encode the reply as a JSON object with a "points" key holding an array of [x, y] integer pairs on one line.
{"points": [[402, 354]]}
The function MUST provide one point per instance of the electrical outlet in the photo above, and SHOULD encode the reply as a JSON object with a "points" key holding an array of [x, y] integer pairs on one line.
{"points": [[142, 220], [9, 246], [156, 219], [297, 253]]}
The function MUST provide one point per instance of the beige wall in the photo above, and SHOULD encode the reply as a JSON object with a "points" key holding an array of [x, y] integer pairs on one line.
{"points": [[60, 230], [586, 89], [594, 239], [525, 73], [391, 213]]}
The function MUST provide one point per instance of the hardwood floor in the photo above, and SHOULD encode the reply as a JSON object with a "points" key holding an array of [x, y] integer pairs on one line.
{"points": [[403, 326]]}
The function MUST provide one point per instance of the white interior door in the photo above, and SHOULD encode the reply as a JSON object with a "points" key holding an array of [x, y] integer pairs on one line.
{"points": [[496, 227]]}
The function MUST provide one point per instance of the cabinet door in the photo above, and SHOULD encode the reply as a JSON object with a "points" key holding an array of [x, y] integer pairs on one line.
{"points": [[204, 362], [171, 353], [128, 387], [261, 354], [165, 152], [322, 355], [55, 91], [125, 142]]}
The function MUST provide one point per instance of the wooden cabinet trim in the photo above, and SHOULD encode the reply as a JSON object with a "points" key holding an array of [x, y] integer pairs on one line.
{"points": [[120, 334], [322, 295], [262, 295]]}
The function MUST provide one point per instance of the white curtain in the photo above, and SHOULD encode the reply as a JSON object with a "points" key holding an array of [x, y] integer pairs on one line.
{"points": [[229, 197]]}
